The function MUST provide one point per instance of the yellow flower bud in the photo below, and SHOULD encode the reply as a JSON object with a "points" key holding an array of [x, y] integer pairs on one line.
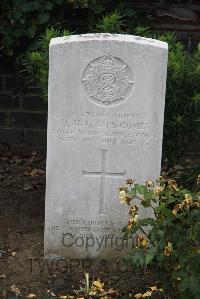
{"points": [[168, 249], [173, 185], [147, 294], [130, 181], [138, 296], [157, 191], [122, 194], [149, 183], [141, 241]]}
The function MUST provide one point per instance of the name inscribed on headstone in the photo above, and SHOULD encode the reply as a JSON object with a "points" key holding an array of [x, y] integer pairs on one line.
{"points": [[105, 128]]}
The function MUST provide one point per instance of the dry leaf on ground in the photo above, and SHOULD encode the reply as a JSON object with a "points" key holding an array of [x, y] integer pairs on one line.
{"points": [[30, 296], [15, 290], [27, 187]]}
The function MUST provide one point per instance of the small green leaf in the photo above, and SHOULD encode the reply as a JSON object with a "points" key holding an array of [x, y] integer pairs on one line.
{"points": [[147, 221], [141, 189], [149, 255]]}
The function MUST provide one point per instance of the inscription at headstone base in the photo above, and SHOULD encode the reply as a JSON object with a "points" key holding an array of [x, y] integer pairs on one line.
{"points": [[105, 124]]}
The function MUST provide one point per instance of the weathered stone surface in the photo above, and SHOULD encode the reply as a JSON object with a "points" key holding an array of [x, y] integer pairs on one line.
{"points": [[105, 123]]}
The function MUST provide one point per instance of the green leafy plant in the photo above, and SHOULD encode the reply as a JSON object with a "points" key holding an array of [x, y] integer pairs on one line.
{"points": [[111, 23], [20, 20], [35, 63], [190, 172], [169, 241], [122, 19], [182, 104], [142, 31], [182, 99], [103, 12]]}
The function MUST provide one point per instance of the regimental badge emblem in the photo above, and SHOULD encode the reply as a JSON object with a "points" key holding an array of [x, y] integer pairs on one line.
{"points": [[107, 80]]}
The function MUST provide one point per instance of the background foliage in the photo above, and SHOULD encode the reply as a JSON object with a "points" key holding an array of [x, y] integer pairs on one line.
{"points": [[21, 20], [36, 61], [29, 25]]}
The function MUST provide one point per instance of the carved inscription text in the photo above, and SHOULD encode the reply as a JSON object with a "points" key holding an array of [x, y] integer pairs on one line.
{"points": [[105, 129]]}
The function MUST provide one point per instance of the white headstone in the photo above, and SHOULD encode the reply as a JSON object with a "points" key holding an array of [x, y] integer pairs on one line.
{"points": [[105, 124]]}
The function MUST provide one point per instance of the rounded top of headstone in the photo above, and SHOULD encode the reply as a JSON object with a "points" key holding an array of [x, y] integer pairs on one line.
{"points": [[109, 37]]}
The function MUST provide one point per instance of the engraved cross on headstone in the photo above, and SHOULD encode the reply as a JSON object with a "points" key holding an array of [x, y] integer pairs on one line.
{"points": [[103, 174]]}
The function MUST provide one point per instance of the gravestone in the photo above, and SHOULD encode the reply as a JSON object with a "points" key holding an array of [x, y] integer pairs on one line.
{"points": [[105, 124]]}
